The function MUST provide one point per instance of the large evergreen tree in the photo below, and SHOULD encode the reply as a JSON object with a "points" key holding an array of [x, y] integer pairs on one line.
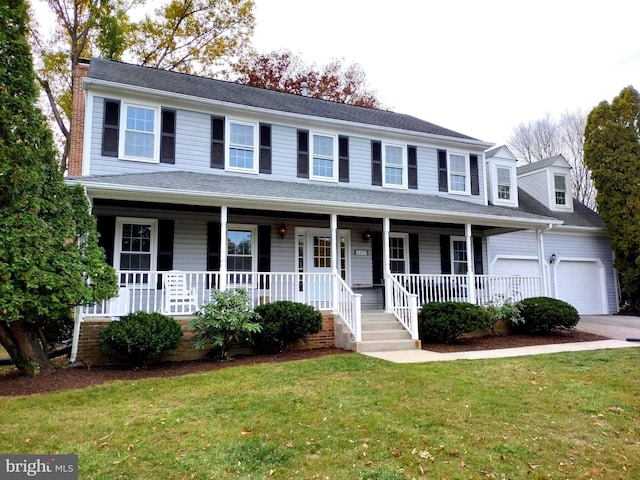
{"points": [[48, 240], [612, 152]]}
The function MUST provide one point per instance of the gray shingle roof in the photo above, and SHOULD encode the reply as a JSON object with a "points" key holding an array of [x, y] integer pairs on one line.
{"points": [[211, 89], [539, 165], [582, 216], [329, 195]]}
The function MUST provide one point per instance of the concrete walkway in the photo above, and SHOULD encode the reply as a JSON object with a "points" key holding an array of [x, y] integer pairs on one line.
{"points": [[616, 327]]}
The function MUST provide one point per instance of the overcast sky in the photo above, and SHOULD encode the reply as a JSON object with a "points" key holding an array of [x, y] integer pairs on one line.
{"points": [[479, 67]]}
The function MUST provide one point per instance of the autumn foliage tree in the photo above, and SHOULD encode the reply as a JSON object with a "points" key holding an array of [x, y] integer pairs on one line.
{"points": [[48, 240], [190, 36], [285, 72], [612, 152]]}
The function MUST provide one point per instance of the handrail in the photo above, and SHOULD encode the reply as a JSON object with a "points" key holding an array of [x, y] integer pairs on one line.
{"points": [[348, 306], [404, 307]]}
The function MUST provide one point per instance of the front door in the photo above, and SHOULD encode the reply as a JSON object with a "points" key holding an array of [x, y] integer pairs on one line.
{"points": [[314, 260]]}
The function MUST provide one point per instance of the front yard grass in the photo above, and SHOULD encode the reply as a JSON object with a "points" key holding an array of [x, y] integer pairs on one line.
{"points": [[564, 416]]}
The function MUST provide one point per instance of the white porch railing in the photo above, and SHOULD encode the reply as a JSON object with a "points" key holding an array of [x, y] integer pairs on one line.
{"points": [[348, 306], [404, 306], [455, 288]]}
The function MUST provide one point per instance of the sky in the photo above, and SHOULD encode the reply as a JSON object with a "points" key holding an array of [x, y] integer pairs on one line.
{"points": [[479, 67]]}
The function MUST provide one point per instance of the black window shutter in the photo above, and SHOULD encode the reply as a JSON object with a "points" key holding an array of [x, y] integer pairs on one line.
{"points": [[343, 158], [376, 162], [106, 227], [265, 148], [442, 171], [213, 246], [475, 179], [217, 142], [376, 258], [168, 138], [477, 256], [110, 128], [414, 253], [445, 254], [412, 162], [303, 153], [165, 247], [264, 251]]}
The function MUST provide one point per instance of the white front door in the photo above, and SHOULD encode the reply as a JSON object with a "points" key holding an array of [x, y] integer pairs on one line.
{"points": [[314, 259]]}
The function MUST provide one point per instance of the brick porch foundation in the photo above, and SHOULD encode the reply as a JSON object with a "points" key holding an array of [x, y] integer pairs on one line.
{"points": [[89, 351]]}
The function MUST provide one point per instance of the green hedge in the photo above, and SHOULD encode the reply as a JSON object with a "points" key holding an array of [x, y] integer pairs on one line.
{"points": [[543, 315], [140, 337], [445, 322], [283, 323]]}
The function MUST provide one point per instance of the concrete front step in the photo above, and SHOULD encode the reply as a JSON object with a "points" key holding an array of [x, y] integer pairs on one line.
{"points": [[376, 316], [373, 326], [387, 345], [382, 335]]}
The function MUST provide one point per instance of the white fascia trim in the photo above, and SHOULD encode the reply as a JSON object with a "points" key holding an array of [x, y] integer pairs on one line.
{"points": [[581, 231], [114, 191], [440, 139]]}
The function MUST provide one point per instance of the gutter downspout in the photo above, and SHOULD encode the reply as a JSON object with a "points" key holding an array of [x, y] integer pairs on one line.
{"points": [[386, 266], [77, 311]]}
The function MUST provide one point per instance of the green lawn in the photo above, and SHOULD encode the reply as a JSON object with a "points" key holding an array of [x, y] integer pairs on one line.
{"points": [[564, 416]]}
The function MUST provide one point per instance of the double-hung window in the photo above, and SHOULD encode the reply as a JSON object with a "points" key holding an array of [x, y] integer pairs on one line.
{"points": [[242, 147], [398, 252], [139, 131], [136, 242], [459, 180], [394, 163], [324, 165], [560, 184], [458, 256], [241, 249], [504, 183]]}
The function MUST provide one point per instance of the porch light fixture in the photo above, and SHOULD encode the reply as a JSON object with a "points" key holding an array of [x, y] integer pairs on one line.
{"points": [[366, 236], [282, 231], [552, 258]]}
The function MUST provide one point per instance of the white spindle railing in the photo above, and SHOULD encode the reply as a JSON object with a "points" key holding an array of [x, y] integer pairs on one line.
{"points": [[404, 307], [494, 289], [349, 308]]}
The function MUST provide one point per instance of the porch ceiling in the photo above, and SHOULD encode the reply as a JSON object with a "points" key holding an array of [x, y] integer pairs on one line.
{"points": [[192, 188]]}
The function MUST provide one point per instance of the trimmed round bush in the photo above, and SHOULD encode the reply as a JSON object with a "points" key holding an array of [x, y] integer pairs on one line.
{"points": [[284, 322], [445, 322], [542, 315], [140, 337]]}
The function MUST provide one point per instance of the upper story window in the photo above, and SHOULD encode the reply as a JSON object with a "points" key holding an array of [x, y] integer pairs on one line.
{"points": [[503, 183], [139, 133], [560, 189], [458, 173], [394, 166], [242, 147], [323, 157]]}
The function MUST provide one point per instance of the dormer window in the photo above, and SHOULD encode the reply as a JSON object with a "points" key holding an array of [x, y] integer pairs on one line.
{"points": [[504, 183], [560, 183]]}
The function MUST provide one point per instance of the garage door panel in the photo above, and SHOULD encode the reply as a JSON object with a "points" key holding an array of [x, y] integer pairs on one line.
{"points": [[580, 284]]}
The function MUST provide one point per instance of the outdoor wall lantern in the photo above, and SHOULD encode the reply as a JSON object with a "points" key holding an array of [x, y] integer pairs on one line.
{"points": [[282, 231], [552, 258], [366, 236]]}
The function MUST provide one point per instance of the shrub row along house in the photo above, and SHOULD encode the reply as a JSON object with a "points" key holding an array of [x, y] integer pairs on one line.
{"points": [[200, 184]]}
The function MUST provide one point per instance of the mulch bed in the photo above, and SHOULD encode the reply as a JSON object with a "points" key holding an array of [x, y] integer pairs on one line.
{"points": [[65, 378]]}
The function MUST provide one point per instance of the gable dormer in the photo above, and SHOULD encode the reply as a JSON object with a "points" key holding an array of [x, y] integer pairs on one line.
{"points": [[549, 182], [501, 177]]}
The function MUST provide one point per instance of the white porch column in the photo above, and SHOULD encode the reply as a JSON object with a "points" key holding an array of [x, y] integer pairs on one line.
{"points": [[542, 263], [223, 248], [386, 265], [471, 275], [334, 261]]}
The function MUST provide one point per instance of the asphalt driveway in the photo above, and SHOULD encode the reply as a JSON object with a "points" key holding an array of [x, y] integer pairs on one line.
{"points": [[619, 327]]}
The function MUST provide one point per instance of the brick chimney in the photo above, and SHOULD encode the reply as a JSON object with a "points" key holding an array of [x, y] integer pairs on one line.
{"points": [[76, 136]]}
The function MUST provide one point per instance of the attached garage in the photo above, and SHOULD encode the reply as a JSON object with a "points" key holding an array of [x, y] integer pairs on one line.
{"points": [[582, 284]]}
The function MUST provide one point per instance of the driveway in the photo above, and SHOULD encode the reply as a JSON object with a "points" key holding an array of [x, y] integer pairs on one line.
{"points": [[619, 327]]}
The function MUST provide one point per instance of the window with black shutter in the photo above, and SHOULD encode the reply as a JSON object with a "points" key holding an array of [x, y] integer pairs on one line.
{"points": [[265, 148], [443, 184], [110, 128], [412, 163], [475, 175], [217, 142], [168, 138], [343, 159], [376, 162]]}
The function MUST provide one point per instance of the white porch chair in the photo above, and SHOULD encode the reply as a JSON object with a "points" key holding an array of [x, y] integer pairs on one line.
{"points": [[178, 296]]}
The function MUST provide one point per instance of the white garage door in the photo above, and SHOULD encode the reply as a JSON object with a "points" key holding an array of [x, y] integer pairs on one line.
{"points": [[580, 284], [515, 266]]}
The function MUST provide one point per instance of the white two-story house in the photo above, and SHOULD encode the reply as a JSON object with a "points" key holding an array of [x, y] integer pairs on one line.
{"points": [[200, 184]]}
